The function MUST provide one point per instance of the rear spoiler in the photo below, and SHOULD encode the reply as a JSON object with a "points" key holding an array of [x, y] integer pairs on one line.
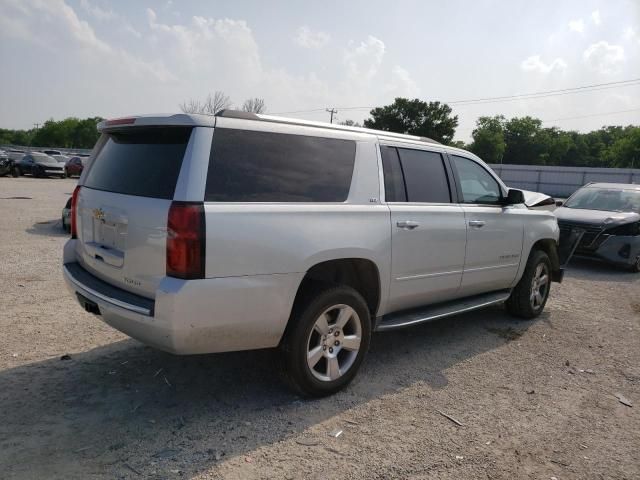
{"points": [[166, 120]]}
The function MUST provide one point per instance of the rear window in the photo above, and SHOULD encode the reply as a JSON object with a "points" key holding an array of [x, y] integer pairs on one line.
{"points": [[250, 166], [141, 162]]}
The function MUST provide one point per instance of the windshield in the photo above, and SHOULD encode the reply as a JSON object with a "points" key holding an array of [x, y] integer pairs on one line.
{"points": [[605, 199]]}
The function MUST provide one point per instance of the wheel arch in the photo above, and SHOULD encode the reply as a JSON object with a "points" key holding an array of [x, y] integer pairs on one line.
{"points": [[361, 274]]}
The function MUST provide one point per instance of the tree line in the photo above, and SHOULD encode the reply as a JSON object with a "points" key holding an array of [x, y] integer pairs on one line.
{"points": [[519, 140], [496, 139], [68, 133]]}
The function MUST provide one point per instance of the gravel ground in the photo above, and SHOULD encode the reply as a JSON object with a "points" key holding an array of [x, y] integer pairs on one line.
{"points": [[535, 399]]}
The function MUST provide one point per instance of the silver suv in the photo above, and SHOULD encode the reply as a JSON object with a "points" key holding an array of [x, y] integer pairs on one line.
{"points": [[199, 234]]}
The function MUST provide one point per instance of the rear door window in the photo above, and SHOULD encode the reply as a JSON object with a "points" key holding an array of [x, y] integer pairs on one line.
{"points": [[252, 166], [394, 190], [425, 176], [144, 162]]}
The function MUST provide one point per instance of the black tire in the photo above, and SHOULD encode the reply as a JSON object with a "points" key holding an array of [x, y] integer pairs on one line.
{"points": [[295, 344], [65, 174], [64, 224], [635, 268], [521, 303], [37, 172], [15, 172]]}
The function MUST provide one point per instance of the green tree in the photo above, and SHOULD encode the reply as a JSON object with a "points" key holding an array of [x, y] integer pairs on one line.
{"points": [[522, 138], [625, 151], [415, 117], [488, 139]]}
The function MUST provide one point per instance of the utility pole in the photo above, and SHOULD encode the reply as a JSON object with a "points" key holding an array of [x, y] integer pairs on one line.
{"points": [[332, 111], [37, 126]]}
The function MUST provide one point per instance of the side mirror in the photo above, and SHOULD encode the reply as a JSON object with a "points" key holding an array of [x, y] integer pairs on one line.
{"points": [[514, 197], [559, 203]]}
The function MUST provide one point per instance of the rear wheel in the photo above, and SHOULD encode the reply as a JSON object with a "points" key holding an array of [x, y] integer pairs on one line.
{"points": [[530, 295], [636, 265], [327, 341], [15, 172]]}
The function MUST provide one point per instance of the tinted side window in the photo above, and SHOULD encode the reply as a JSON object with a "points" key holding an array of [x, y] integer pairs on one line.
{"points": [[394, 190], [142, 162], [478, 186], [425, 176], [249, 166]]}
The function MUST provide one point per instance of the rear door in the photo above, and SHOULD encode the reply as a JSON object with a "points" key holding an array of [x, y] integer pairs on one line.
{"points": [[494, 232], [124, 202], [428, 232]]}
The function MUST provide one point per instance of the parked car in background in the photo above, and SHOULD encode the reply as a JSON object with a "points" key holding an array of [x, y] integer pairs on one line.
{"points": [[40, 165], [201, 234], [608, 214], [60, 158], [7, 165], [52, 152], [66, 216], [15, 154], [74, 167]]}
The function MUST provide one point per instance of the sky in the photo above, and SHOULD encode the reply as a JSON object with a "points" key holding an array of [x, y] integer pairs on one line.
{"points": [[114, 58]]}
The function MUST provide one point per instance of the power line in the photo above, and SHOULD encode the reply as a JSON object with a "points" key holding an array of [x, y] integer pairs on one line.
{"points": [[593, 115], [504, 98]]}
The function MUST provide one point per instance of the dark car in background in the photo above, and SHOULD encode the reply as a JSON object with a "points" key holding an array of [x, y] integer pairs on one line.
{"points": [[608, 217], [7, 165], [40, 165], [74, 166]]}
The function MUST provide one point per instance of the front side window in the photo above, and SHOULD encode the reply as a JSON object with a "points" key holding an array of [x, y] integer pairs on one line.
{"points": [[478, 186], [252, 166]]}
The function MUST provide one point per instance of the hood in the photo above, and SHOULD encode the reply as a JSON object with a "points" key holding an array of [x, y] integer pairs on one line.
{"points": [[537, 199], [47, 162], [595, 217]]}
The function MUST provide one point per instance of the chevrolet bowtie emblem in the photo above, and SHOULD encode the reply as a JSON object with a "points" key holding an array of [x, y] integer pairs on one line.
{"points": [[98, 213]]}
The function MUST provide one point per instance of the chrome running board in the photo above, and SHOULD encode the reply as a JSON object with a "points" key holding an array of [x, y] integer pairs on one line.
{"points": [[414, 316]]}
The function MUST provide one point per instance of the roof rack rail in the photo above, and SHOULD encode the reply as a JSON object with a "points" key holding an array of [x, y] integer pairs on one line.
{"points": [[239, 114]]}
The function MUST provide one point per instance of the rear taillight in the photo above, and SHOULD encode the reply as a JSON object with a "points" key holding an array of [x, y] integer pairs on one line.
{"points": [[74, 212], [185, 240]]}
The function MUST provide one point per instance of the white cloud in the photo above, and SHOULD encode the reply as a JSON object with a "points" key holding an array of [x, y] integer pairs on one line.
{"points": [[60, 30], [96, 11], [577, 25], [595, 17], [604, 58], [631, 35], [363, 61], [307, 38], [402, 85], [535, 64]]}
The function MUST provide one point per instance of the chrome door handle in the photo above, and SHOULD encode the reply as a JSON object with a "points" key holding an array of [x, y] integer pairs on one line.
{"points": [[407, 224], [476, 223]]}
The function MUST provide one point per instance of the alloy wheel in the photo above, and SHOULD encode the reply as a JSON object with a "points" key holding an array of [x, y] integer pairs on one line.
{"points": [[539, 286], [334, 342]]}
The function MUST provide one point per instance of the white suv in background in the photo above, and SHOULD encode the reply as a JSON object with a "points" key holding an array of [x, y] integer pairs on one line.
{"points": [[199, 234]]}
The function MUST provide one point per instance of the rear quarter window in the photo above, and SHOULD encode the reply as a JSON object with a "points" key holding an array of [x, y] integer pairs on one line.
{"points": [[251, 166], [141, 162]]}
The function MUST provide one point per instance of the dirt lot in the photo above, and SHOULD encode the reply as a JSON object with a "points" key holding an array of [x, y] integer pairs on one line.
{"points": [[535, 399]]}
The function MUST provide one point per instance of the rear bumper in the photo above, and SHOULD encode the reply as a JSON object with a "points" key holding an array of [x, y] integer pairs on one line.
{"points": [[195, 316]]}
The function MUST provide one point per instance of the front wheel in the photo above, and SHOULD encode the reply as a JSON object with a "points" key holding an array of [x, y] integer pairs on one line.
{"points": [[15, 172], [327, 341], [635, 268], [530, 295]]}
